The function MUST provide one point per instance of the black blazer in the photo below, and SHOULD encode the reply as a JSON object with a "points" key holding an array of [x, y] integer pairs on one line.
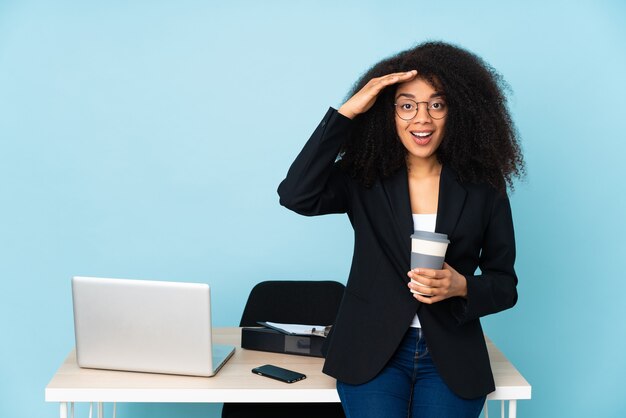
{"points": [[377, 307]]}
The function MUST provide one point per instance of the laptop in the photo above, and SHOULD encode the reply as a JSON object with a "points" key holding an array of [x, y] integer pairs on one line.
{"points": [[145, 326]]}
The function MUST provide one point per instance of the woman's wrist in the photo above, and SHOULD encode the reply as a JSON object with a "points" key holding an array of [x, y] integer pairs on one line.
{"points": [[346, 112], [463, 286]]}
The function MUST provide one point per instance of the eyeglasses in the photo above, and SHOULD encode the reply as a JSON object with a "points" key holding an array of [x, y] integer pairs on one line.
{"points": [[406, 109]]}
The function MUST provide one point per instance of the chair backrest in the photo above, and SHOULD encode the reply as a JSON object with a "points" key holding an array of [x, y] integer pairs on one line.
{"points": [[293, 302]]}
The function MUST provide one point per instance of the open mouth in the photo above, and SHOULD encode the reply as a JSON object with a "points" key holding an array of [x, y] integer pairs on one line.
{"points": [[422, 137]]}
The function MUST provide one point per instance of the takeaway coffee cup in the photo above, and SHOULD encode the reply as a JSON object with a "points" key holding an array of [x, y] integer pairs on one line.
{"points": [[428, 250]]}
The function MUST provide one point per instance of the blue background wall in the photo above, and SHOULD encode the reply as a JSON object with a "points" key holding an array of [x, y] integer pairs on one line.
{"points": [[146, 140]]}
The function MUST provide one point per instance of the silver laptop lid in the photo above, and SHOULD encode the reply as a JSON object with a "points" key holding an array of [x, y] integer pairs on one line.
{"points": [[143, 325]]}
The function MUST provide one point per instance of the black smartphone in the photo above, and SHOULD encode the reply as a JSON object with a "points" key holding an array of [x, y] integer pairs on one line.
{"points": [[278, 373]]}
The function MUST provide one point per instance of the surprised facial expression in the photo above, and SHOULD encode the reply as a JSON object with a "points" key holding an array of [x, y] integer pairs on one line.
{"points": [[422, 133]]}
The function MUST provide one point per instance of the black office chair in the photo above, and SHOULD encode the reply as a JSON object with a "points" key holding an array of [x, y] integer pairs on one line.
{"points": [[290, 302]]}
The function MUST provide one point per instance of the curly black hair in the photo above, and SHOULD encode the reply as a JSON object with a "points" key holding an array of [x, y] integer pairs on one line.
{"points": [[480, 140]]}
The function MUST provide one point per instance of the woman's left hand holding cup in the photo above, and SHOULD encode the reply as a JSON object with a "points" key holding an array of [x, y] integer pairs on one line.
{"points": [[437, 285]]}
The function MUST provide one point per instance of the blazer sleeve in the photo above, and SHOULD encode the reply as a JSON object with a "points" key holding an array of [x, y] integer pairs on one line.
{"points": [[315, 184], [495, 289]]}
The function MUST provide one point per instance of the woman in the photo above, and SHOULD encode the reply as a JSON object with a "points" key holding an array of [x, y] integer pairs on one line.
{"points": [[425, 142]]}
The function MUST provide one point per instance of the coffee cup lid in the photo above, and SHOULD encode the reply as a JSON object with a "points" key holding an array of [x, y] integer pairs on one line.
{"points": [[430, 236]]}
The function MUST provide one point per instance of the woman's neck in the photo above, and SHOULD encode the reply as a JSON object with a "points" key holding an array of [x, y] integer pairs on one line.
{"points": [[421, 167]]}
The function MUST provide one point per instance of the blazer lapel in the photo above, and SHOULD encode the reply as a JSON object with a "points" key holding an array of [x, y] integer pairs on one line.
{"points": [[451, 200], [396, 189]]}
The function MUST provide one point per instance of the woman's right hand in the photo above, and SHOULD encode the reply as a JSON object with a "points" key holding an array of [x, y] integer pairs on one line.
{"points": [[365, 98]]}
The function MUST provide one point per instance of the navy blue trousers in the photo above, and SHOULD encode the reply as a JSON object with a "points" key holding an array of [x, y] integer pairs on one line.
{"points": [[408, 386]]}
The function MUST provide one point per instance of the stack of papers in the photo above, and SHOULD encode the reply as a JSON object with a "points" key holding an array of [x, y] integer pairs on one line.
{"points": [[298, 329]]}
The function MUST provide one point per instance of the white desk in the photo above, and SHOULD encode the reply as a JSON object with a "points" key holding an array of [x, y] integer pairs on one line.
{"points": [[235, 382]]}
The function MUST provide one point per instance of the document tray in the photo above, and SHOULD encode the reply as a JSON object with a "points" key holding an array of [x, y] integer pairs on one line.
{"points": [[266, 339]]}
